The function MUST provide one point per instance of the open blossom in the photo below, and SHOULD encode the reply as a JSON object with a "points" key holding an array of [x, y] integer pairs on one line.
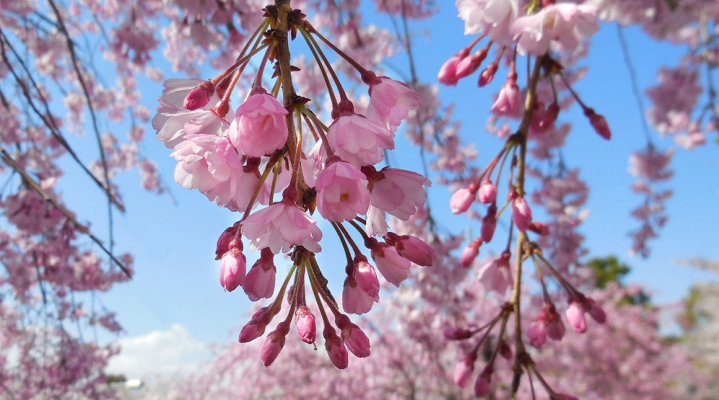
{"points": [[567, 23], [342, 192], [357, 140], [493, 17], [376, 221], [281, 226], [259, 127], [390, 102], [496, 275], [211, 165], [397, 191]]}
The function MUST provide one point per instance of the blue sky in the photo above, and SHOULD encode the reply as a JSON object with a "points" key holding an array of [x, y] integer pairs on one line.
{"points": [[176, 281]]}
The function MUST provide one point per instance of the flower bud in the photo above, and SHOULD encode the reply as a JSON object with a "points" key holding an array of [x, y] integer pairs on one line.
{"points": [[575, 315], [305, 322], [521, 213], [461, 200], [487, 192], [598, 123], [199, 96], [463, 371]]}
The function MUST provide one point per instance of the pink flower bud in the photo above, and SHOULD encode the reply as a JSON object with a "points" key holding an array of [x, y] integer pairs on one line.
{"points": [[537, 333], [274, 343], [335, 349], [470, 253], [223, 243], [260, 281], [487, 192], [463, 371], [448, 73], [489, 223], [461, 200], [560, 396], [575, 315], [232, 269], [199, 96], [470, 64], [412, 248], [541, 228], [355, 339], [488, 74], [596, 311], [481, 385], [366, 277], [505, 350], [598, 123], [457, 334], [305, 322], [521, 213], [496, 275]]}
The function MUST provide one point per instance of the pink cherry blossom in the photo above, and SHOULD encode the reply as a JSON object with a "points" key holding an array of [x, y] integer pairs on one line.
{"points": [[496, 275], [274, 343], [508, 102], [357, 140], [397, 191], [391, 265], [481, 385], [199, 96], [354, 299], [390, 101], [470, 253], [259, 127], [493, 17], [566, 23], [448, 73], [342, 192], [281, 226]]}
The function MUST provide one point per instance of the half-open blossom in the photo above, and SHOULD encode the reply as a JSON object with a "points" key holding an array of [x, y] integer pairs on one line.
{"points": [[357, 140], [342, 192], [260, 280], [575, 316], [496, 275], [461, 200], [397, 191], [354, 299], [463, 371], [366, 277], [521, 213], [391, 265], [508, 101], [259, 127], [390, 102], [281, 226], [470, 253]]}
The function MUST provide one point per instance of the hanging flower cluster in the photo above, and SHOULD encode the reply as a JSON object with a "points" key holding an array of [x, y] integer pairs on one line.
{"points": [[543, 31], [277, 162]]}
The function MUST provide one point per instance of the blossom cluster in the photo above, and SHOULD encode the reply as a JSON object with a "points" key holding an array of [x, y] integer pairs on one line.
{"points": [[276, 162]]}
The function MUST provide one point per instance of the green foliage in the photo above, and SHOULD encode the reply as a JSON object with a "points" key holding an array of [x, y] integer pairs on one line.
{"points": [[115, 379], [609, 269]]}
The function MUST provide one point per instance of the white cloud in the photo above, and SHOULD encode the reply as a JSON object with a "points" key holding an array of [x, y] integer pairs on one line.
{"points": [[173, 351]]}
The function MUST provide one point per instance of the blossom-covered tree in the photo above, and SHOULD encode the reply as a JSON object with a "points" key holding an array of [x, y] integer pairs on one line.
{"points": [[284, 137]]}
